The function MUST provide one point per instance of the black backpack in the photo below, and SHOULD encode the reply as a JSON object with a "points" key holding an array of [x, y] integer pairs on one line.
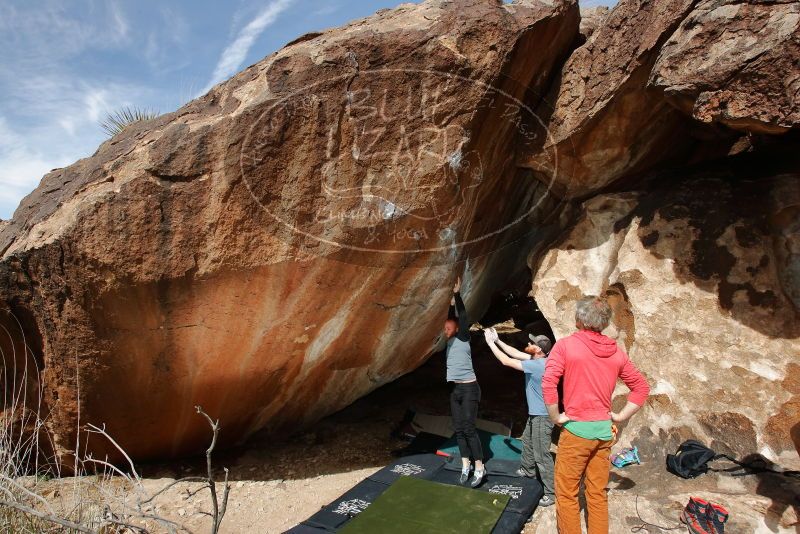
{"points": [[691, 459]]}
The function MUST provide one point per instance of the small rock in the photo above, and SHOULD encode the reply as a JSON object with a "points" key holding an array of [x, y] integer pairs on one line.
{"points": [[181, 512]]}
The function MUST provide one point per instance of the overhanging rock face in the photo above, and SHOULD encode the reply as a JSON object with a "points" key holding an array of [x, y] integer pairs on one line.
{"points": [[661, 83], [285, 243]]}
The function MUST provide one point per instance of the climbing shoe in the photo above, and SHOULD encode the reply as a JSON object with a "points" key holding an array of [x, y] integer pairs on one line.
{"points": [[717, 516], [464, 476], [477, 478], [695, 516]]}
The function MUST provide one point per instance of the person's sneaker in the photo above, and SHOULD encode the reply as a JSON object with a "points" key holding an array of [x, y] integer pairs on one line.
{"points": [[477, 478], [547, 500], [717, 515], [464, 477], [695, 516], [523, 474]]}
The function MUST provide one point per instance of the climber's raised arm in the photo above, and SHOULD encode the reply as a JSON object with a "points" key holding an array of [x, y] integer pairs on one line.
{"points": [[491, 340], [514, 353], [463, 321]]}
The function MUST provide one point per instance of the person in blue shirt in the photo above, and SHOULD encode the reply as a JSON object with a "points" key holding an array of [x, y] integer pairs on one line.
{"points": [[536, 457]]}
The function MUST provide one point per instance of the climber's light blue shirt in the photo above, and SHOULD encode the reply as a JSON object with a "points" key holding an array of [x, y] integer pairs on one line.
{"points": [[534, 369]]}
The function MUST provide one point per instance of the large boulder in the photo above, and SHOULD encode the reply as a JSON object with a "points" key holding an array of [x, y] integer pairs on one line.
{"points": [[591, 19], [735, 64], [703, 279], [667, 81], [603, 123], [286, 243]]}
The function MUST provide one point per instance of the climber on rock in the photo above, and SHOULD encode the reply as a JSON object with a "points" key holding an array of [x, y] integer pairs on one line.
{"points": [[536, 438], [465, 393], [590, 364]]}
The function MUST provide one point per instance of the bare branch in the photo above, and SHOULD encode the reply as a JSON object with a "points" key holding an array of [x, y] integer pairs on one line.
{"points": [[171, 484], [225, 494], [29, 493], [46, 517], [102, 431], [112, 467], [190, 494], [217, 512]]}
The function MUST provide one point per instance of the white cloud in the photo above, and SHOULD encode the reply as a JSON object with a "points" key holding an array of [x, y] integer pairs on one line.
{"points": [[96, 104], [51, 31], [164, 39], [61, 126], [119, 22], [235, 53], [51, 104], [21, 167]]}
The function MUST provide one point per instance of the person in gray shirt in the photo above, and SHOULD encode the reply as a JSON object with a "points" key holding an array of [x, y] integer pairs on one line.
{"points": [[536, 458], [465, 393]]}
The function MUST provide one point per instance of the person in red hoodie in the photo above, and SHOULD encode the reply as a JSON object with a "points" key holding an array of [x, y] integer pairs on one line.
{"points": [[590, 364]]}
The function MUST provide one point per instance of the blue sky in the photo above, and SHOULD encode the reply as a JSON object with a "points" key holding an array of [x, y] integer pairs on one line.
{"points": [[64, 65]]}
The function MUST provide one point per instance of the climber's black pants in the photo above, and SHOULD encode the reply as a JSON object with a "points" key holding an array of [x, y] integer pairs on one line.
{"points": [[464, 399]]}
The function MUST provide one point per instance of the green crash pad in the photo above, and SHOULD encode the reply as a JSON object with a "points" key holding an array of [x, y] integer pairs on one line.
{"points": [[416, 505], [494, 446]]}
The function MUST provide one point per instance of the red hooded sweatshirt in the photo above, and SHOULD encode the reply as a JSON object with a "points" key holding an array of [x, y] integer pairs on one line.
{"points": [[590, 364]]}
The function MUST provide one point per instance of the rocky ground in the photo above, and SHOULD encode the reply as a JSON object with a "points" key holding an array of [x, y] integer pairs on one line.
{"points": [[280, 481]]}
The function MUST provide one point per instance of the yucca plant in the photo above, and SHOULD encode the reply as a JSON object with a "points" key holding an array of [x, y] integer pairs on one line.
{"points": [[117, 121]]}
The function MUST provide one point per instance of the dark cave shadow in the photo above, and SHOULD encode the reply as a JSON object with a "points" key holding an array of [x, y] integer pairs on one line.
{"points": [[523, 311], [360, 435]]}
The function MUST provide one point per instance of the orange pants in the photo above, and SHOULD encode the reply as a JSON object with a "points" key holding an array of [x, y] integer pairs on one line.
{"points": [[582, 458]]}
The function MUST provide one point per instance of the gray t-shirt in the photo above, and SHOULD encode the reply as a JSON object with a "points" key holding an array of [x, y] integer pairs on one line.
{"points": [[459, 352], [534, 370], [459, 361]]}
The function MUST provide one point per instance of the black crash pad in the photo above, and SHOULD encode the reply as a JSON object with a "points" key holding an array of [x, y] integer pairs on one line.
{"points": [[524, 494]]}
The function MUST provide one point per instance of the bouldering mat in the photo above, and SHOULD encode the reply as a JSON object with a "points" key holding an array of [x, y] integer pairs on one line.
{"points": [[423, 466], [353, 502], [493, 466], [417, 505], [414, 423], [494, 446], [523, 494]]}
